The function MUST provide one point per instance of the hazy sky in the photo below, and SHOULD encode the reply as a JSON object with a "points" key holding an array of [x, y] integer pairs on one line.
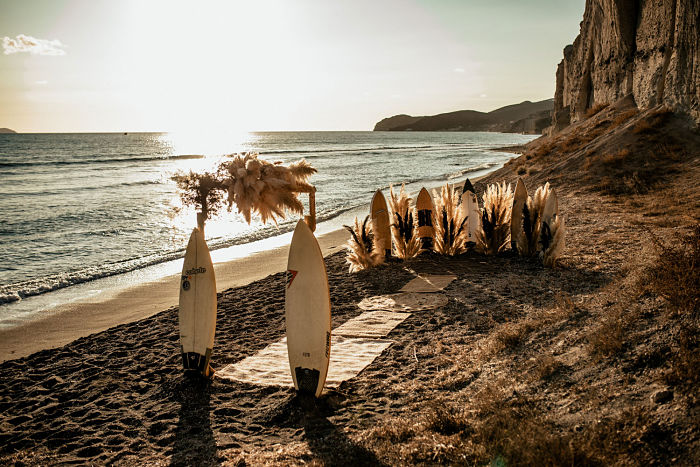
{"points": [[139, 65]]}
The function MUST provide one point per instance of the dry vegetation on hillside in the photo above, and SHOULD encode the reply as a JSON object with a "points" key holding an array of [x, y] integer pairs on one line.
{"points": [[593, 363]]}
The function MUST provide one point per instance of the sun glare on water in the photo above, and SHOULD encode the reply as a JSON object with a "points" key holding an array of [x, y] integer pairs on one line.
{"points": [[210, 143], [201, 151]]}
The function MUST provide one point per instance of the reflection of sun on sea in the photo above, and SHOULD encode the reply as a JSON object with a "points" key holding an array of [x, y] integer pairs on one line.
{"points": [[212, 146], [208, 142]]}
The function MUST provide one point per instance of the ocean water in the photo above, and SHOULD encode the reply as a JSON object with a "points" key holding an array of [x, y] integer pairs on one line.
{"points": [[80, 207]]}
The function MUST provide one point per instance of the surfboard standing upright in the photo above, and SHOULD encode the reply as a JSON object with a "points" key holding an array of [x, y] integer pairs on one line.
{"points": [[307, 312], [516, 216], [197, 311], [425, 209], [380, 222], [470, 210]]}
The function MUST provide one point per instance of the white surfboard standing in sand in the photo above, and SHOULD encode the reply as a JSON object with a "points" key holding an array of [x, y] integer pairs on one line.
{"points": [[470, 210], [197, 310], [307, 311]]}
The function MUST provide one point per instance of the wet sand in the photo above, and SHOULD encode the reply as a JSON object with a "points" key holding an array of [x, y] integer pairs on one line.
{"points": [[66, 323]]}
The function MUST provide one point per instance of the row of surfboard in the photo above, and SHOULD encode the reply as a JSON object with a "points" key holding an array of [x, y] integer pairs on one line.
{"points": [[470, 210], [307, 309], [425, 209]]}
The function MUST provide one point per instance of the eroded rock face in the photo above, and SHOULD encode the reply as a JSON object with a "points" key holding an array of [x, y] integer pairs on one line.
{"points": [[646, 48]]}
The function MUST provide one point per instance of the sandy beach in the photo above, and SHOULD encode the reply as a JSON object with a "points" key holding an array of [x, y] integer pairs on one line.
{"points": [[66, 323], [580, 364]]}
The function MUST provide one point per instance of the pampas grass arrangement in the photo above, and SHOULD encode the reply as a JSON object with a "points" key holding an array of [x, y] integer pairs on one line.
{"points": [[253, 185], [450, 234], [532, 222], [201, 190], [552, 241], [404, 231], [266, 188], [361, 252], [494, 234]]}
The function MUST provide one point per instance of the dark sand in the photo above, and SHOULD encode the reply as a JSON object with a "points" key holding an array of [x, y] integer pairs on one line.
{"points": [[518, 348]]}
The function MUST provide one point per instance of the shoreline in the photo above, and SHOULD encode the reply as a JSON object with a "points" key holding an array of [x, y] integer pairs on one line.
{"points": [[66, 322]]}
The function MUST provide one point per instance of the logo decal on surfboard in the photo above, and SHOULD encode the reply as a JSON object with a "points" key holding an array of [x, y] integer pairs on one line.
{"points": [[291, 277], [193, 271]]}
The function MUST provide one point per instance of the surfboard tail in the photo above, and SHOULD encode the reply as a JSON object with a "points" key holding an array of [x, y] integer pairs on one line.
{"points": [[193, 361]]}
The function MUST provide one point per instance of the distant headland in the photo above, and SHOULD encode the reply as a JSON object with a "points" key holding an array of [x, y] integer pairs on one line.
{"points": [[525, 117], [6, 130]]}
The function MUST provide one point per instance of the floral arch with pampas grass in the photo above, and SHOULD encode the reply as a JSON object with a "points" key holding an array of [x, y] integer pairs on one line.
{"points": [[253, 185]]}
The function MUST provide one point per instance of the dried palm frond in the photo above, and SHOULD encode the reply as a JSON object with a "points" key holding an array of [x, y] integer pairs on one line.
{"points": [[450, 234], [494, 234], [202, 190], [552, 240], [404, 231], [361, 252], [268, 188], [532, 220]]}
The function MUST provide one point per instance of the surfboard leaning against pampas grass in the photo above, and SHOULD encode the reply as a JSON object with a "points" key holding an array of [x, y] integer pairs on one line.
{"points": [[471, 212], [380, 222], [425, 213]]}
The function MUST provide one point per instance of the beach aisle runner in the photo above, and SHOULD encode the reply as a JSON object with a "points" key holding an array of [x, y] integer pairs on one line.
{"points": [[354, 345]]}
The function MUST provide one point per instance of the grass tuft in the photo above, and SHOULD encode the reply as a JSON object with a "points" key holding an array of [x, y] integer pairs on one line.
{"points": [[595, 109], [676, 273]]}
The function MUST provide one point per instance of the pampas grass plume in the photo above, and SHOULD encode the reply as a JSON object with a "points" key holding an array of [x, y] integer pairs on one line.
{"points": [[361, 253], [494, 234], [450, 234], [203, 191], [404, 230], [553, 246], [267, 188], [532, 220]]}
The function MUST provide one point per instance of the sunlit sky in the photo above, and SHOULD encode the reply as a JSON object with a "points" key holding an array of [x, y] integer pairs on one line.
{"points": [[140, 65]]}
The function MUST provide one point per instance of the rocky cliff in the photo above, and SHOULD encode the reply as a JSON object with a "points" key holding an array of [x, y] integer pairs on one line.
{"points": [[6, 130], [644, 48]]}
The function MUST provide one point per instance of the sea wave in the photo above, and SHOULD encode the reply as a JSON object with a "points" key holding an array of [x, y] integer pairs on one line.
{"points": [[33, 287], [361, 150], [77, 188], [98, 160], [472, 169]]}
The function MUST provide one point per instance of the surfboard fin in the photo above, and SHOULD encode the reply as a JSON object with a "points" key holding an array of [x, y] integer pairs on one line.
{"points": [[192, 361], [307, 379], [468, 187]]}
